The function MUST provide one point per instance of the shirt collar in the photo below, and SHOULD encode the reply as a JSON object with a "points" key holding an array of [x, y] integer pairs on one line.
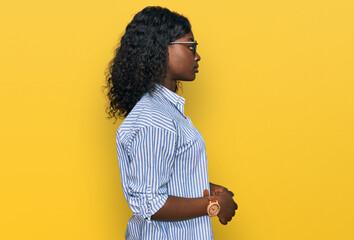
{"points": [[172, 97]]}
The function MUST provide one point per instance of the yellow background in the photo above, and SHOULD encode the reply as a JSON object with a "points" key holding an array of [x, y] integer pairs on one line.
{"points": [[274, 100]]}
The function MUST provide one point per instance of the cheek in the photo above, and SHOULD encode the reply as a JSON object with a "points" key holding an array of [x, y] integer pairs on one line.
{"points": [[181, 64], [174, 67], [177, 66], [183, 59], [177, 61]]}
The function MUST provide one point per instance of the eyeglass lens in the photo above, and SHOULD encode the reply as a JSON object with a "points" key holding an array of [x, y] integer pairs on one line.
{"points": [[194, 48]]}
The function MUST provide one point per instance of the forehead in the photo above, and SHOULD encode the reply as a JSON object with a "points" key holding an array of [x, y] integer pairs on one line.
{"points": [[187, 37]]}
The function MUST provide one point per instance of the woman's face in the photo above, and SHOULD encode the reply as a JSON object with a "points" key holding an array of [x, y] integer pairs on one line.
{"points": [[182, 63]]}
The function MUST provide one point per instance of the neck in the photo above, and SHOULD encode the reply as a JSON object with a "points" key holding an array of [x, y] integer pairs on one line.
{"points": [[170, 84]]}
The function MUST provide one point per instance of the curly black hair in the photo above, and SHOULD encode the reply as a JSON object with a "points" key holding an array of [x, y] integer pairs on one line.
{"points": [[141, 59]]}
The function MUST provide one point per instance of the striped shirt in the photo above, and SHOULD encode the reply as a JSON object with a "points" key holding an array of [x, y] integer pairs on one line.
{"points": [[161, 153]]}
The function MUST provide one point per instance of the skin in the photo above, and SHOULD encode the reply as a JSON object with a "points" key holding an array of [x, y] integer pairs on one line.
{"points": [[217, 190], [182, 63], [182, 66]]}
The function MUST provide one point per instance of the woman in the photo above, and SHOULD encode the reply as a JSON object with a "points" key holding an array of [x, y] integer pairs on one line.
{"points": [[161, 155]]}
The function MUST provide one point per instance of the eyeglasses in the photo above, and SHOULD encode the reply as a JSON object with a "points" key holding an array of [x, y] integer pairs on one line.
{"points": [[192, 47]]}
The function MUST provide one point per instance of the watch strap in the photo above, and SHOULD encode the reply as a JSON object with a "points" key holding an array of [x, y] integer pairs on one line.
{"points": [[212, 201]]}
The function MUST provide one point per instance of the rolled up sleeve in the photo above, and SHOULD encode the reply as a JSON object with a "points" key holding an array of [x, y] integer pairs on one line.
{"points": [[151, 159]]}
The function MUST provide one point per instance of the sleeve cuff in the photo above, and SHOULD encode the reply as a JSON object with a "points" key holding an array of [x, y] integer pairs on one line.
{"points": [[153, 205]]}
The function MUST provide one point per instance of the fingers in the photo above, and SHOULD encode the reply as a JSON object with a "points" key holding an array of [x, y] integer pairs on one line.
{"points": [[231, 193], [225, 218], [223, 221], [228, 206], [218, 189]]}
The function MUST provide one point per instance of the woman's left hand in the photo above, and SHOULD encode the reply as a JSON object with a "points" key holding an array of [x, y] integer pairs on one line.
{"points": [[215, 189]]}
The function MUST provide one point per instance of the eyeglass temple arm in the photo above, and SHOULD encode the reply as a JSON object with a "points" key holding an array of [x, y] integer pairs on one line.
{"points": [[183, 42]]}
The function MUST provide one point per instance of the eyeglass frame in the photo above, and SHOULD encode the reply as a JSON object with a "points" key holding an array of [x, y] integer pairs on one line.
{"points": [[194, 50]]}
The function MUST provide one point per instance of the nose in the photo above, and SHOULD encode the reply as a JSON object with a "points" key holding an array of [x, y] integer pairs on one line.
{"points": [[197, 57]]}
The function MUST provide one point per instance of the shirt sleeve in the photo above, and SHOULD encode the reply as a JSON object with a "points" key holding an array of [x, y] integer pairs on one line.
{"points": [[151, 159]]}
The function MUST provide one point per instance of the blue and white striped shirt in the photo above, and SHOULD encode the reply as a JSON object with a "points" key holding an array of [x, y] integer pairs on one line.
{"points": [[161, 153]]}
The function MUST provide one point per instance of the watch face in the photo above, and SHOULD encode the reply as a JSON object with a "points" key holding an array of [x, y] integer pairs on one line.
{"points": [[214, 209]]}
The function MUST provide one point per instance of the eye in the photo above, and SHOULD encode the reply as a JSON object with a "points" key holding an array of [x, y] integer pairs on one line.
{"points": [[193, 48]]}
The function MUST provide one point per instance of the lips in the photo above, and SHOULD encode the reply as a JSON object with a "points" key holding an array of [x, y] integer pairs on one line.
{"points": [[196, 68]]}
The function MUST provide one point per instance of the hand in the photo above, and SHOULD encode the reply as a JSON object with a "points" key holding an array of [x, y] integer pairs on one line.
{"points": [[228, 206], [215, 189]]}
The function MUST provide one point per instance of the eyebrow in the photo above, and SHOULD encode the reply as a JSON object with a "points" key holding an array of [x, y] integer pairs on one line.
{"points": [[191, 39]]}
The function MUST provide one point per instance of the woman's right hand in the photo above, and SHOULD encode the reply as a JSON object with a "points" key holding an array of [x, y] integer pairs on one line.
{"points": [[227, 206]]}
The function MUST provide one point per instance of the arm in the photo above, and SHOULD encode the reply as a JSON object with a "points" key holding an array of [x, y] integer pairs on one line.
{"points": [[178, 208], [151, 155], [151, 160]]}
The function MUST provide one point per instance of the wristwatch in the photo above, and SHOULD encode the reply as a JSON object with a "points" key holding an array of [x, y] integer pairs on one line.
{"points": [[213, 207]]}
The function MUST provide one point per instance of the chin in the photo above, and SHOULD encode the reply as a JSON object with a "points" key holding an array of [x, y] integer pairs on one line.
{"points": [[187, 78], [190, 78]]}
